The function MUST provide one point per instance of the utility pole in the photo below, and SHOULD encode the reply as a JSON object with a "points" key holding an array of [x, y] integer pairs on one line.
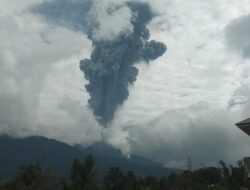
{"points": [[189, 164]]}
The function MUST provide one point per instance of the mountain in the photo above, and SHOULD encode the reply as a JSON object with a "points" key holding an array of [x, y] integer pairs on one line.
{"points": [[59, 156]]}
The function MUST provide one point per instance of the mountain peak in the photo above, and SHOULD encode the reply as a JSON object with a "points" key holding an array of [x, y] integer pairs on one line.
{"points": [[17, 152]]}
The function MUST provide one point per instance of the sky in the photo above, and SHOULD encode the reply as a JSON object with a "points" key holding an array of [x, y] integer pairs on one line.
{"points": [[184, 104]]}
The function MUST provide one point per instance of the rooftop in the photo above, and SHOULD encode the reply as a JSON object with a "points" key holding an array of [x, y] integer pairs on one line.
{"points": [[244, 125]]}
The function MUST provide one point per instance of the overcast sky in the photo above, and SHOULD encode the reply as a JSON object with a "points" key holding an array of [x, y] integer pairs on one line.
{"points": [[184, 104]]}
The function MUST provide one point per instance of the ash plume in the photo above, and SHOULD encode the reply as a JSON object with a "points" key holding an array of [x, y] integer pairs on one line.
{"points": [[111, 67]]}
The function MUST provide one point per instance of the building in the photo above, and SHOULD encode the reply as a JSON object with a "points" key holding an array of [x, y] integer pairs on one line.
{"points": [[244, 125]]}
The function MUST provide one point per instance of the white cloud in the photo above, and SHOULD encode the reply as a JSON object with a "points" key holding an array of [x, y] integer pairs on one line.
{"points": [[178, 107], [113, 18], [36, 60], [182, 98]]}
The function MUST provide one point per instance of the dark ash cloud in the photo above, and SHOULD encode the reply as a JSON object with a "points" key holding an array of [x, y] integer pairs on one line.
{"points": [[111, 67]]}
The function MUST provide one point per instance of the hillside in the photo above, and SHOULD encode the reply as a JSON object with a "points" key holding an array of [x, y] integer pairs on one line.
{"points": [[59, 156]]}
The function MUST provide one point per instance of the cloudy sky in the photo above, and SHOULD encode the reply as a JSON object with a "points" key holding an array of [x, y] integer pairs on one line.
{"points": [[184, 104]]}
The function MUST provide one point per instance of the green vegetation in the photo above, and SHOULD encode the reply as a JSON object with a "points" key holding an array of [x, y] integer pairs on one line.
{"points": [[83, 177], [32, 177]]}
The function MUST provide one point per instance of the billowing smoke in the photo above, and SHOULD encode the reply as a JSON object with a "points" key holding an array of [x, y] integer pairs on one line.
{"points": [[111, 67]]}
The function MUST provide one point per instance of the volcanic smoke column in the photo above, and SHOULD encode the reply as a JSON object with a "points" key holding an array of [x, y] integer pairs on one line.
{"points": [[110, 69]]}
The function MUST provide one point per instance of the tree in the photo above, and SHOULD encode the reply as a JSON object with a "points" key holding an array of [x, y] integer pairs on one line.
{"points": [[82, 175], [114, 179], [32, 177], [225, 169], [208, 175]]}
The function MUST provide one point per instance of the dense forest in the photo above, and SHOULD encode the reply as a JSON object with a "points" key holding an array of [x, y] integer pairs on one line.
{"points": [[83, 177]]}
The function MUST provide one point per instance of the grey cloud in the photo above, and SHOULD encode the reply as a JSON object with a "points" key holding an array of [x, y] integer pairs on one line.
{"points": [[239, 98], [73, 14], [243, 95], [77, 127], [201, 105], [237, 35], [207, 137]]}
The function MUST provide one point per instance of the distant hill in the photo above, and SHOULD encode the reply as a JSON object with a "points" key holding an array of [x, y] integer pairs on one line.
{"points": [[59, 156]]}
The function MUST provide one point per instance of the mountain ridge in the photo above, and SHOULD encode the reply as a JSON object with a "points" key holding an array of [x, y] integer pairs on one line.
{"points": [[58, 156]]}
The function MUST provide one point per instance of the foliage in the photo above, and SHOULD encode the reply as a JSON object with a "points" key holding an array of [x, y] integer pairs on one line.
{"points": [[32, 177], [82, 177], [116, 179]]}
